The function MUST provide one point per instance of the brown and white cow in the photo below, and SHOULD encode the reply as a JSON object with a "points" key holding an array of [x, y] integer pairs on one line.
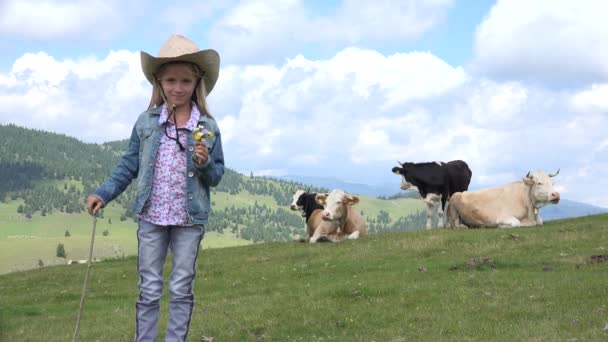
{"points": [[511, 205], [338, 208], [312, 211]]}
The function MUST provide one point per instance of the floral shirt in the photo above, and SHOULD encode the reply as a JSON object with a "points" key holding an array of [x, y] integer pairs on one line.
{"points": [[166, 205]]}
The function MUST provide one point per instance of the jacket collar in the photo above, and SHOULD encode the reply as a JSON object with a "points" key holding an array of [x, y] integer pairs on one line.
{"points": [[158, 109]]}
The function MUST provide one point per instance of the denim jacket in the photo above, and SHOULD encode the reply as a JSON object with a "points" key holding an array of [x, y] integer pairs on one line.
{"points": [[140, 158]]}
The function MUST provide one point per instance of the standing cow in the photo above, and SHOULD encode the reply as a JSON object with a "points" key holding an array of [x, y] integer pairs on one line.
{"points": [[436, 182], [338, 208], [511, 205]]}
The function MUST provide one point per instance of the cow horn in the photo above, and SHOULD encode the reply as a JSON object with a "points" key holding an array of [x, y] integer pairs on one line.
{"points": [[400, 163], [554, 174], [528, 175]]}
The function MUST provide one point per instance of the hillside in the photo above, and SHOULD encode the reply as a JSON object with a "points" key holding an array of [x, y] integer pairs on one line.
{"points": [[526, 284], [48, 176]]}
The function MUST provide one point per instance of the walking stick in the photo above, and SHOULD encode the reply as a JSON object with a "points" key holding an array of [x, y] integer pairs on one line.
{"points": [[86, 280]]}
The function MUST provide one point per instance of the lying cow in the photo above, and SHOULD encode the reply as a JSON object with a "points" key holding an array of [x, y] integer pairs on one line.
{"points": [[436, 182], [338, 209], [312, 212], [511, 205]]}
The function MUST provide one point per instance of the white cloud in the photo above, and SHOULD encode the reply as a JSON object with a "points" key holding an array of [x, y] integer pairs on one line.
{"points": [[270, 172], [593, 99], [561, 41], [274, 30], [402, 76], [496, 104], [352, 116], [184, 15], [298, 108], [339, 117], [359, 19], [602, 146], [52, 19], [94, 100]]}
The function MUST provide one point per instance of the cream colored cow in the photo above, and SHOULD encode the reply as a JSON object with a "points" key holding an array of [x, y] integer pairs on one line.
{"points": [[511, 205]]}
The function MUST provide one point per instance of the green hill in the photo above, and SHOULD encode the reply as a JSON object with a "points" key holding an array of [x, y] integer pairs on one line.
{"points": [[527, 284], [47, 177]]}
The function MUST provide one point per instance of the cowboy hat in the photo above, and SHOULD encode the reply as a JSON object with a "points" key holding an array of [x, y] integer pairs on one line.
{"points": [[181, 49]]}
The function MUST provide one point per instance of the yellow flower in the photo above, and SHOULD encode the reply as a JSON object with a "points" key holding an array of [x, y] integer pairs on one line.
{"points": [[201, 133]]}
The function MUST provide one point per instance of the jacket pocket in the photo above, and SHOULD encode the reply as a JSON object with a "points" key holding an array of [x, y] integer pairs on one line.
{"points": [[144, 133]]}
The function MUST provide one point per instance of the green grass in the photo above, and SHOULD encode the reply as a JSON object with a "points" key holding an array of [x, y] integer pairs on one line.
{"points": [[395, 208], [224, 200], [23, 242], [59, 183], [364, 290]]}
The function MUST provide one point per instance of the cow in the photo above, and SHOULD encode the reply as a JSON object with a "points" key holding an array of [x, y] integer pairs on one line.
{"points": [[81, 261], [312, 211], [436, 182], [338, 208], [511, 205]]}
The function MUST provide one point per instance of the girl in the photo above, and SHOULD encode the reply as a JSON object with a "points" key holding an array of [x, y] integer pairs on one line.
{"points": [[174, 172]]}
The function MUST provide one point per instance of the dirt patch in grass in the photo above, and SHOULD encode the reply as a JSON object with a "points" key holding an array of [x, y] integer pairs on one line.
{"points": [[476, 263], [598, 258]]}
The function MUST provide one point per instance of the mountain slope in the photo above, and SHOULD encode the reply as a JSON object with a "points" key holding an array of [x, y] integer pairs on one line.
{"points": [[51, 174]]}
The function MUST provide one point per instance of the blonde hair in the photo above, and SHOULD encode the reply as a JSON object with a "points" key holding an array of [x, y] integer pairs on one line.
{"points": [[200, 92]]}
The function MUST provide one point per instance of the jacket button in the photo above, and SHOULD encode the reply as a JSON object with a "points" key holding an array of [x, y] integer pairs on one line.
{"points": [[189, 196], [190, 148], [190, 174]]}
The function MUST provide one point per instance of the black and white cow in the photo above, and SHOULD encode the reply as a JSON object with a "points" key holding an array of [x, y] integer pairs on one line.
{"points": [[436, 182]]}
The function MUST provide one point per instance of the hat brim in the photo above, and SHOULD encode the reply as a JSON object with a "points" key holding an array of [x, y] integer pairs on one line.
{"points": [[207, 60]]}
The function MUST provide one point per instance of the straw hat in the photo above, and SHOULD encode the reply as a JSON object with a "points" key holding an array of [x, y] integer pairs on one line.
{"points": [[181, 49]]}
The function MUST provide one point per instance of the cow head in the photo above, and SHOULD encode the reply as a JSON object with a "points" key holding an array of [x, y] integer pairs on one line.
{"points": [[542, 191], [335, 204], [405, 184], [294, 201]]}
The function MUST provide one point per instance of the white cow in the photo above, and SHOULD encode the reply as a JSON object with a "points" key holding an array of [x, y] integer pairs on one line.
{"points": [[511, 205]]}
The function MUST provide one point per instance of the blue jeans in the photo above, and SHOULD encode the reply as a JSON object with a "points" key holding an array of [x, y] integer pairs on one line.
{"points": [[153, 243]]}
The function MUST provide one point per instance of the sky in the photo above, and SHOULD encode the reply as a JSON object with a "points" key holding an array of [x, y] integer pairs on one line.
{"points": [[338, 89]]}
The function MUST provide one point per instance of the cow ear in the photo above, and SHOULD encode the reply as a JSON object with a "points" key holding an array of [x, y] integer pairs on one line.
{"points": [[320, 198], [396, 170], [528, 180], [351, 200]]}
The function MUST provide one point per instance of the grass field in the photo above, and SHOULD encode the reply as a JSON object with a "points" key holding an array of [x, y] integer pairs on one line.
{"points": [[26, 242], [537, 284]]}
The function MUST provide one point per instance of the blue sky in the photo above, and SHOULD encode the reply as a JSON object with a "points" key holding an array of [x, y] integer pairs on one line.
{"points": [[451, 39], [339, 89]]}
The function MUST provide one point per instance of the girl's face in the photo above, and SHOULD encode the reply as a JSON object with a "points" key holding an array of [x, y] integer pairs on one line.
{"points": [[178, 82]]}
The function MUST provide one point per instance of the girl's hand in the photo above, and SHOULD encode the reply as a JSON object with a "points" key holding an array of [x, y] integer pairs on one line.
{"points": [[94, 204], [201, 154]]}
